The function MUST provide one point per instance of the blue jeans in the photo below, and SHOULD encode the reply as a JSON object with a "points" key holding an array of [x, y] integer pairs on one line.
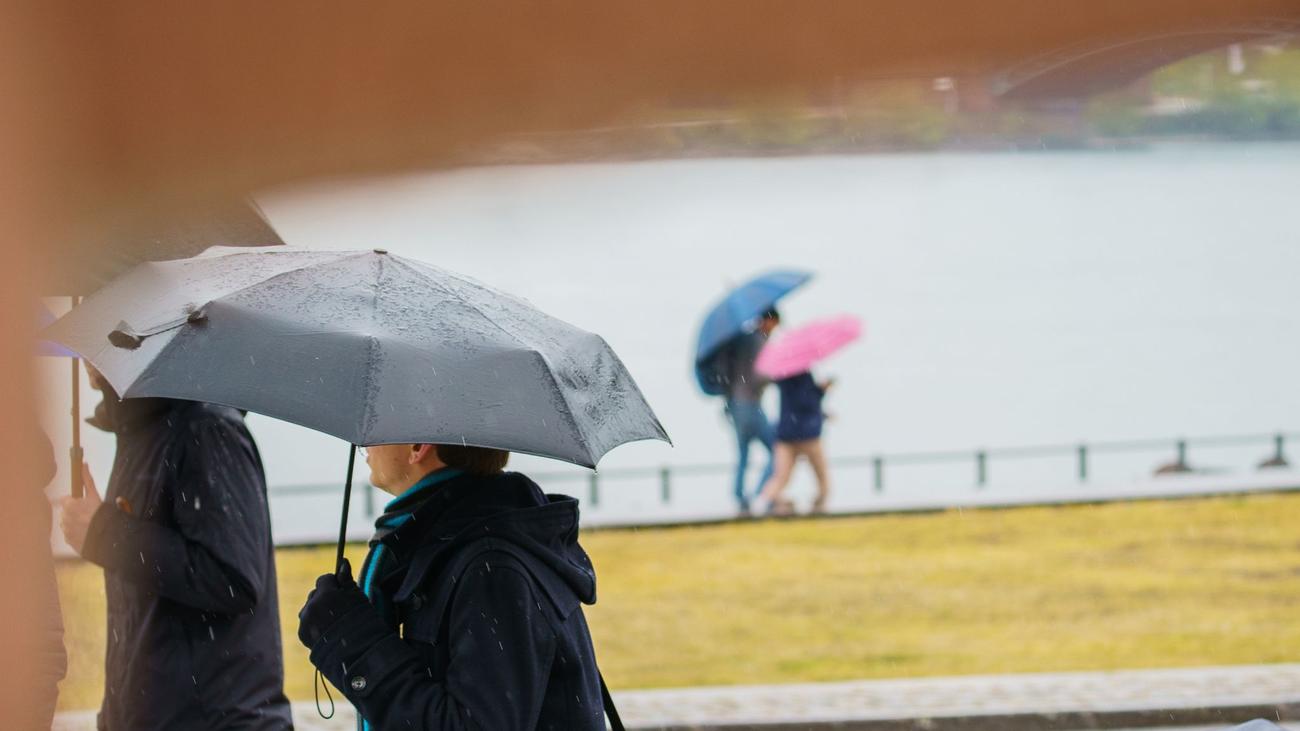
{"points": [[750, 423]]}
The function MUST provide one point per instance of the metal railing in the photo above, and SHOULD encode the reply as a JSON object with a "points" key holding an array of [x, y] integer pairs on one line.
{"points": [[980, 459]]}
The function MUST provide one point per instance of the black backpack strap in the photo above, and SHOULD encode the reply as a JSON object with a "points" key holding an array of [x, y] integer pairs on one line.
{"points": [[611, 713]]}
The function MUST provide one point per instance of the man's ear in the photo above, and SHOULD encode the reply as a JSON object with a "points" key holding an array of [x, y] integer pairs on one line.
{"points": [[418, 453]]}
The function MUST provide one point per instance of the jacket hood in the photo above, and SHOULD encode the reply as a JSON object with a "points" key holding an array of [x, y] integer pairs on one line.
{"points": [[508, 507]]}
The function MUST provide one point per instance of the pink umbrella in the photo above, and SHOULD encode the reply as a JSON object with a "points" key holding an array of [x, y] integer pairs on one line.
{"points": [[797, 350]]}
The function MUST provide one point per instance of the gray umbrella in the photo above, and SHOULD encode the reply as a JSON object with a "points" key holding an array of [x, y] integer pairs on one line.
{"points": [[366, 346]]}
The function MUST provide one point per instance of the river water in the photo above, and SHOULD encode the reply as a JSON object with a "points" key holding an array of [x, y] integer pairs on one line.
{"points": [[1009, 299]]}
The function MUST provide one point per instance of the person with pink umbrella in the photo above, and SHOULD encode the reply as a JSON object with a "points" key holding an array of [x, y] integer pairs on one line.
{"points": [[789, 361]]}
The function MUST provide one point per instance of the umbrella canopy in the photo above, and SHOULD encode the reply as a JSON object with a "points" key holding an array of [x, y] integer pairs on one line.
{"points": [[82, 266], [799, 349], [44, 347], [733, 314], [366, 346]]}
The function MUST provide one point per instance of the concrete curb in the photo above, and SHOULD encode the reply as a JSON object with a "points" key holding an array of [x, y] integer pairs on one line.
{"points": [[1214, 698], [1226, 716]]}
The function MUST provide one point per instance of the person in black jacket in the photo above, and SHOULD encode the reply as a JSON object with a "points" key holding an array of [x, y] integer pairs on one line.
{"points": [[184, 537], [468, 612], [744, 405]]}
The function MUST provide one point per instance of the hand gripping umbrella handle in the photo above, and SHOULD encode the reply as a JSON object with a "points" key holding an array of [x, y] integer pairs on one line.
{"points": [[347, 500]]}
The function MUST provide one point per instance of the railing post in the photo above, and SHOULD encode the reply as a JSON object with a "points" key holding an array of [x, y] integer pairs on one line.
{"points": [[878, 473], [370, 501], [665, 485], [1278, 443], [595, 489], [1083, 463], [1182, 453], [981, 468]]}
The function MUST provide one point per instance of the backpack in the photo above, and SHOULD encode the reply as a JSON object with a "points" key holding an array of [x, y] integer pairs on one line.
{"points": [[711, 372]]}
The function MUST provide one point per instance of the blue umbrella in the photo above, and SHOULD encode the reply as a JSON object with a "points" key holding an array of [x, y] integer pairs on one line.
{"points": [[733, 315]]}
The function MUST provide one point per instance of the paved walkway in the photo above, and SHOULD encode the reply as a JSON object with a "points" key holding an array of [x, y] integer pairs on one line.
{"points": [[1218, 696]]}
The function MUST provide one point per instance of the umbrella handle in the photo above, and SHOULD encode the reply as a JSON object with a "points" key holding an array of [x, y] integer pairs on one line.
{"points": [[347, 500]]}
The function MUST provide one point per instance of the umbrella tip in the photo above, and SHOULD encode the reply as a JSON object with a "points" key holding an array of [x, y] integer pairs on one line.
{"points": [[381, 251]]}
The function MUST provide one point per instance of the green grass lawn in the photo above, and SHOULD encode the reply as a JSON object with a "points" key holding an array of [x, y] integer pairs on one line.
{"points": [[1128, 585]]}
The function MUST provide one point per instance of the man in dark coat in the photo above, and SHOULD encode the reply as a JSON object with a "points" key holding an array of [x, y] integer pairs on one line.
{"points": [[744, 392], [468, 614], [184, 538]]}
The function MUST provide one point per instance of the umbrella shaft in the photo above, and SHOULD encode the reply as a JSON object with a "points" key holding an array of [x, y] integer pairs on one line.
{"points": [[75, 454], [347, 500]]}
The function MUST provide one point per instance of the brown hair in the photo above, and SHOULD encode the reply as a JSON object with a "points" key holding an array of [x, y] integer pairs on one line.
{"points": [[474, 460]]}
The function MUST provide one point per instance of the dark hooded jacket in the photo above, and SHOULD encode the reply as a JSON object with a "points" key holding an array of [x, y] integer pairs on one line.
{"points": [[484, 626], [185, 541]]}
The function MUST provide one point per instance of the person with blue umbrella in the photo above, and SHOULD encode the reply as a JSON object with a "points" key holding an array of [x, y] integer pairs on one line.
{"points": [[729, 342]]}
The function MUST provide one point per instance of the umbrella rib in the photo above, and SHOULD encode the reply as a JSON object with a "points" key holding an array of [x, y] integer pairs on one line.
{"points": [[368, 410], [279, 275], [368, 405], [568, 407], [469, 305], [549, 374], [641, 396], [469, 281]]}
